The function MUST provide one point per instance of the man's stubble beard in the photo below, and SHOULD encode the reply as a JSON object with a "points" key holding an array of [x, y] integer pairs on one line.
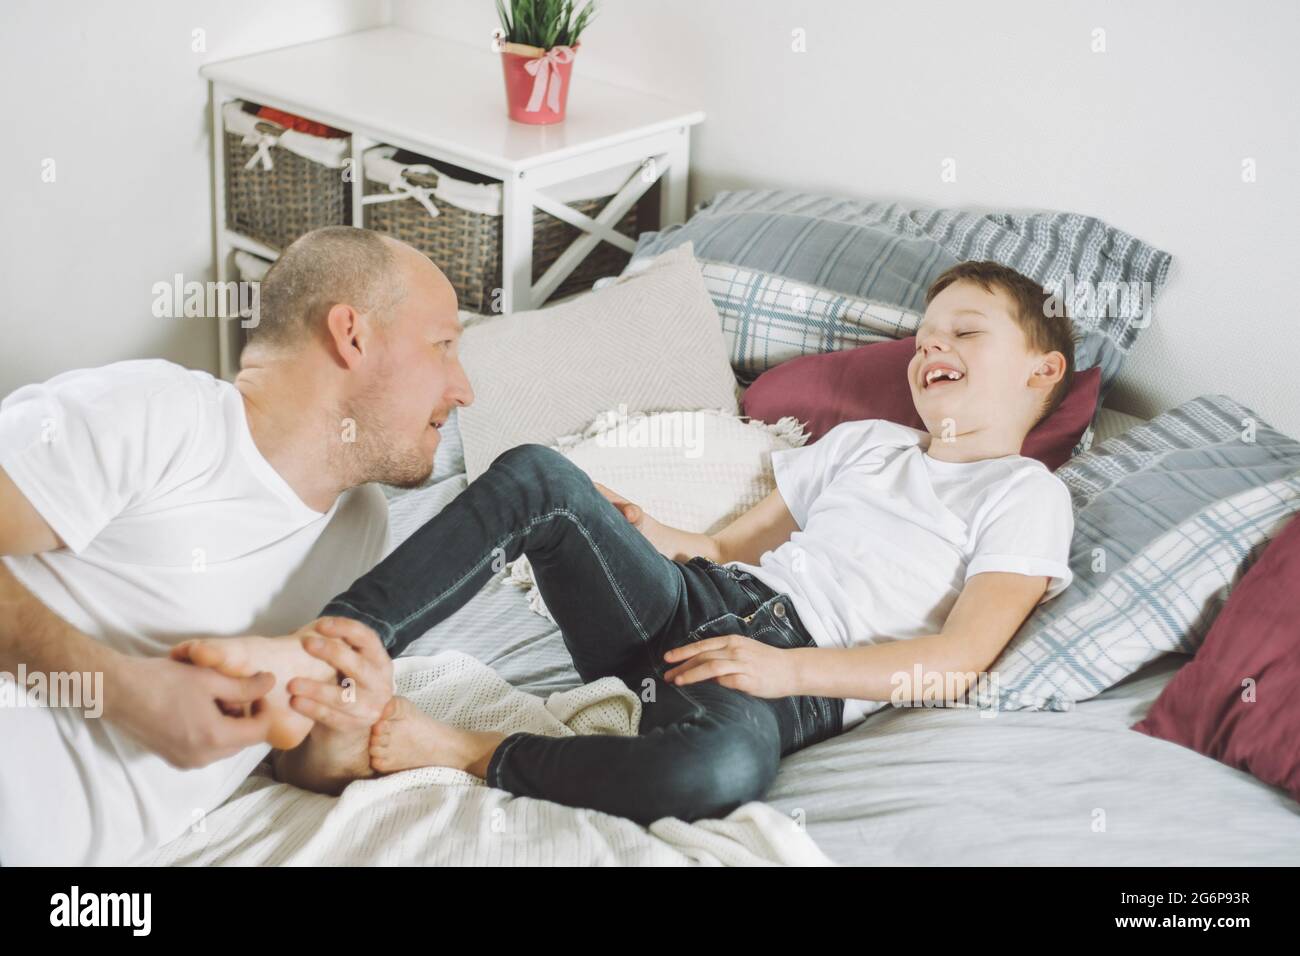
{"points": [[376, 454]]}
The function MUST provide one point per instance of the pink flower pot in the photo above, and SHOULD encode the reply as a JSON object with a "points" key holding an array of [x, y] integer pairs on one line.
{"points": [[547, 89]]}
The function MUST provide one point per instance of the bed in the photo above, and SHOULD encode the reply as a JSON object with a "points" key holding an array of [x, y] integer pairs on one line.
{"points": [[1057, 776], [948, 786]]}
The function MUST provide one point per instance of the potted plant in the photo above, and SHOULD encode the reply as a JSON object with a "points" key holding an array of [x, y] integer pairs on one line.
{"points": [[537, 40]]}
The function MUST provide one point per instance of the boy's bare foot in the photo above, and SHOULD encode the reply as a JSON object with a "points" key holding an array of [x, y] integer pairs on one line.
{"points": [[405, 737], [245, 656]]}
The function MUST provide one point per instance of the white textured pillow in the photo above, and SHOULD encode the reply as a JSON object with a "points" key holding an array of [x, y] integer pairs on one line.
{"points": [[646, 343], [697, 470]]}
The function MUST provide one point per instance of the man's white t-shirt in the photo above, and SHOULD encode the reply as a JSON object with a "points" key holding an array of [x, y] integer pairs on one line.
{"points": [[889, 535], [176, 527]]}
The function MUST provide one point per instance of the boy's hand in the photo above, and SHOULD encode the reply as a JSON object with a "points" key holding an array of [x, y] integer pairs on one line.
{"points": [[633, 513], [735, 661], [673, 543]]}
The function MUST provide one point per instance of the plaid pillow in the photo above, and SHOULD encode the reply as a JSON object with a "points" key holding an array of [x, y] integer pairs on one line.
{"points": [[888, 254], [769, 319], [1168, 516]]}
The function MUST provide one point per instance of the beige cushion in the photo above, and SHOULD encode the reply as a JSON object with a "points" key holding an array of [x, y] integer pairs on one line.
{"points": [[645, 343]]}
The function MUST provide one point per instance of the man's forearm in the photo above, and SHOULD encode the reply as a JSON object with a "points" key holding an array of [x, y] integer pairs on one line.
{"points": [[33, 635], [869, 672], [169, 707]]}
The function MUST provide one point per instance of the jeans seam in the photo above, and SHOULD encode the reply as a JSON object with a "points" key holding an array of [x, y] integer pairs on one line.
{"points": [[695, 630], [700, 709], [386, 631], [537, 519]]}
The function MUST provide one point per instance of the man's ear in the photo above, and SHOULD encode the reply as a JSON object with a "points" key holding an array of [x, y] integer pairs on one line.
{"points": [[348, 334]]}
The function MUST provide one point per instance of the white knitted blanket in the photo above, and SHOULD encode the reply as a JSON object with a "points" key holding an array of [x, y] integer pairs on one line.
{"points": [[438, 816]]}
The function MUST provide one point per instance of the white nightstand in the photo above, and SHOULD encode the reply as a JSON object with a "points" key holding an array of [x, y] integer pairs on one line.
{"points": [[447, 101]]}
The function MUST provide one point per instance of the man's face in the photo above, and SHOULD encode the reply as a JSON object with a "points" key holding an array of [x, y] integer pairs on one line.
{"points": [[416, 381], [972, 368]]}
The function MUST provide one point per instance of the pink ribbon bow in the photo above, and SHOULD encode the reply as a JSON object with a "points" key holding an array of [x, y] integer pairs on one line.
{"points": [[543, 68]]}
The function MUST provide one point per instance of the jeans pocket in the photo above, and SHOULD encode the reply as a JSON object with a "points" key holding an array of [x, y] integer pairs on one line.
{"points": [[728, 623], [773, 623]]}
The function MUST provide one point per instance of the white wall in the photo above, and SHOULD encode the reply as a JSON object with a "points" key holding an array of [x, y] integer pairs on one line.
{"points": [[1149, 135], [111, 92]]}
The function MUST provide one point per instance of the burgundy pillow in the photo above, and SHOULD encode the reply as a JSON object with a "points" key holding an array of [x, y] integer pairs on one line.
{"points": [[871, 382], [1257, 637]]}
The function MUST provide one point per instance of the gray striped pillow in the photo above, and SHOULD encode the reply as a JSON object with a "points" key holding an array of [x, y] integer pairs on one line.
{"points": [[1167, 517]]}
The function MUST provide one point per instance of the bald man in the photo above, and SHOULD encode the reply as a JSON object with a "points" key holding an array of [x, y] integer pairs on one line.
{"points": [[143, 504]]}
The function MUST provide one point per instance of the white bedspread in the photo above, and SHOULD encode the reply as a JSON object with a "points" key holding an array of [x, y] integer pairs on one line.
{"points": [[444, 816]]}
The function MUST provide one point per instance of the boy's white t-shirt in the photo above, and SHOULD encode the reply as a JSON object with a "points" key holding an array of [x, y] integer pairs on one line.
{"points": [[889, 535], [176, 527]]}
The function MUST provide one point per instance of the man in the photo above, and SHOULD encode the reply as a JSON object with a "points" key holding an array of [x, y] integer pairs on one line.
{"points": [[143, 504]]}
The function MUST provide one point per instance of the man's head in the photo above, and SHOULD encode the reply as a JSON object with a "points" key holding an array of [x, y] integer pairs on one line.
{"points": [[372, 324], [989, 355]]}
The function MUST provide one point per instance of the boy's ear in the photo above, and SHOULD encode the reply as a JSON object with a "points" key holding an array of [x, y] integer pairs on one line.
{"points": [[1050, 367]]}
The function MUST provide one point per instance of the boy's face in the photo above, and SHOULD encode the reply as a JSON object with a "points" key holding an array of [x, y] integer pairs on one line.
{"points": [[973, 366]]}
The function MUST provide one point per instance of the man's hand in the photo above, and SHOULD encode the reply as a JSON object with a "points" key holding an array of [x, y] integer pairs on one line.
{"points": [[355, 651], [175, 709], [337, 751], [735, 661]]}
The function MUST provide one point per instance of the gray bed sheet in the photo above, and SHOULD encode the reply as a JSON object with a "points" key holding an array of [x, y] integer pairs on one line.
{"points": [[953, 786]]}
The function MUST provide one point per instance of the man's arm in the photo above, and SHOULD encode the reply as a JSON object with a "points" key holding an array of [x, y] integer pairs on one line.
{"points": [[169, 707], [988, 612], [762, 528], [22, 529], [44, 642]]}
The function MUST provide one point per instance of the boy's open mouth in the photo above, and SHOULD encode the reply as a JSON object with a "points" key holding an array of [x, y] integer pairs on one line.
{"points": [[940, 373]]}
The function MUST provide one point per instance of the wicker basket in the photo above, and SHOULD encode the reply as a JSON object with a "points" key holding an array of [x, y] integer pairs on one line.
{"points": [[275, 206], [466, 245]]}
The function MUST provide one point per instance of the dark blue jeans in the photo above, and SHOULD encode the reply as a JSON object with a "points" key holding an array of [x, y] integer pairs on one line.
{"points": [[703, 749]]}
